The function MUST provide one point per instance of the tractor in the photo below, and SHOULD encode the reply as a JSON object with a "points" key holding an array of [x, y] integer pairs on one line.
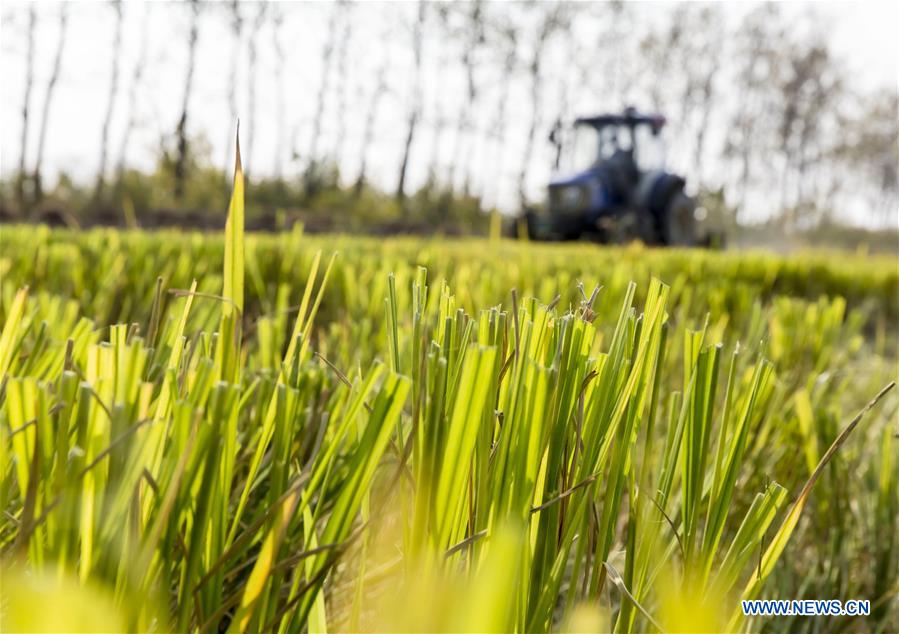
{"points": [[609, 184]]}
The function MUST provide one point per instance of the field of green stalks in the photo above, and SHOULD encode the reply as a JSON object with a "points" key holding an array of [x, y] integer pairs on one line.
{"points": [[288, 433]]}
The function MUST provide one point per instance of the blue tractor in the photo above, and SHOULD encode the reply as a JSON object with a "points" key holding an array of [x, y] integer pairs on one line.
{"points": [[610, 185]]}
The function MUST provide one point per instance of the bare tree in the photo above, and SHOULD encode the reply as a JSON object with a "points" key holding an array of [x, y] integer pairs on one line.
{"points": [[811, 91], [343, 85], [867, 153], [415, 101], [613, 42], [655, 52], [312, 176], [705, 97], [570, 79], [252, 90], [371, 116], [236, 23], [441, 11], [473, 38], [553, 19], [48, 100], [180, 169], [681, 61], [110, 103], [137, 74], [26, 105], [508, 45], [757, 65], [277, 23], [667, 61]]}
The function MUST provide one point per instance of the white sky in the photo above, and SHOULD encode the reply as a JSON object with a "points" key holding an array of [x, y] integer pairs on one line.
{"points": [[865, 35]]}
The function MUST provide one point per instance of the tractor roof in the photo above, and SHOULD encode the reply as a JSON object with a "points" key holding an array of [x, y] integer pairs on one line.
{"points": [[629, 117]]}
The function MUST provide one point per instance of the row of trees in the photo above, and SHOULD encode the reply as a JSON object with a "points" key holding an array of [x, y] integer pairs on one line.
{"points": [[759, 106]]}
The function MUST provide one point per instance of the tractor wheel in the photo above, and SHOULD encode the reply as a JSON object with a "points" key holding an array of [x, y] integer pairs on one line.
{"points": [[679, 221]]}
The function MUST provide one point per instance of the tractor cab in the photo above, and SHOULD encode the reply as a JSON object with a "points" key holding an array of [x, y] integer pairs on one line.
{"points": [[610, 140], [609, 183]]}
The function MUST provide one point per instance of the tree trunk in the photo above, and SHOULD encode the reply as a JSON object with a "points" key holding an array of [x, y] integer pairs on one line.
{"points": [[236, 33], [707, 93], [343, 83], [26, 106], [404, 164], [439, 124], [252, 85], [532, 129], [705, 116], [462, 147], [180, 170], [110, 104], [415, 107], [312, 176], [500, 125], [553, 20], [277, 22], [370, 119], [137, 75], [51, 89]]}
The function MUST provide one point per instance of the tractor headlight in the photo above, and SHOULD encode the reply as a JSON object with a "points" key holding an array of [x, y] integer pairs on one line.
{"points": [[572, 197], [569, 198]]}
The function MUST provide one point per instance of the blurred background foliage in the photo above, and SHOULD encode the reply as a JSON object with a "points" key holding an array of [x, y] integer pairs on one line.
{"points": [[424, 117]]}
